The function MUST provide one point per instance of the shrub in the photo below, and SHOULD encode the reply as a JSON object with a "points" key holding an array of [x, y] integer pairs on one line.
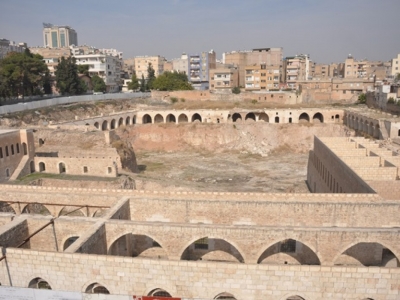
{"points": [[183, 100], [236, 90], [391, 100], [174, 99], [254, 101]]}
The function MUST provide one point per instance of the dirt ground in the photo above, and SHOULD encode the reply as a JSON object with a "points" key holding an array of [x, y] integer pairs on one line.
{"points": [[227, 171]]}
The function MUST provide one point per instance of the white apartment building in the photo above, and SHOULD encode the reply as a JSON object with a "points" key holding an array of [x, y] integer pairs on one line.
{"points": [[10, 46], [181, 64], [396, 65]]}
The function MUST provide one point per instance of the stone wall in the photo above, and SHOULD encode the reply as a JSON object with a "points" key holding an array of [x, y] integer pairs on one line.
{"points": [[135, 276]]}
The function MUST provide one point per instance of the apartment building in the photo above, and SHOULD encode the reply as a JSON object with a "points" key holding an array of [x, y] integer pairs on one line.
{"points": [[128, 68], [224, 77], [241, 59], [181, 64], [296, 68], [7, 46], [262, 77], [364, 69], [395, 66], [104, 65], [51, 56], [59, 36], [142, 63], [199, 66], [319, 71]]}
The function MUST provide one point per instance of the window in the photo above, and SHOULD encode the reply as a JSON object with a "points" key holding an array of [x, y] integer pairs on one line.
{"points": [[17, 147], [12, 149], [109, 170], [85, 169], [7, 151], [1, 152], [201, 244], [7, 173], [288, 246]]}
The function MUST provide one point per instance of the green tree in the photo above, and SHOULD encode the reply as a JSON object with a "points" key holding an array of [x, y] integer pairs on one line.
{"points": [[98, 84], [22, 74], [151, 76], [68, 81], [143, 84], [362, 99], [134, 84], [172, 81], [83, 69], [236, 90]]}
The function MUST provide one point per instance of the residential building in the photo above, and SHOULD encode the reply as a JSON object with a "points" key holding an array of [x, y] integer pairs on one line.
{"points": [[51, 56], [59, 36], [241, 59], [142, 63], [395, 65], [199, 66], [7, 46], [106, 66], [181, 64], [364, 69], [128, 68], [262, 77], [224, 77], [319, 71], [296, 68]]}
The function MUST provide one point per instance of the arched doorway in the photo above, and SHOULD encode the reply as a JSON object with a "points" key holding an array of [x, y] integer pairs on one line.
{"points": [[112, 124], [304, 118], [183, 118], [25, 148], [263, 117], [171, 118], [250, 116], [276, 119], [32, 166], [120, 122], [289, 252], [39, 283], [61, 168], [128, 121], [146, 119], [196, 118], [236, 117], [104, 126], [158, 119], [318, 118], [42, 167]]}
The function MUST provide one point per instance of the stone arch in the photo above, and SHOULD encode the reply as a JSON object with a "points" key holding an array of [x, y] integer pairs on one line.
{"points": [[96, 288], [25, 148], [250, 116], [96, 125], [170, 118], [159, 293], [6, 208], [225, 296], [236, 117], [36, 208], [213, 249], [42, 167], [147, 119], [32, 166], [263, 117], [135, 245], [304, 118], [62, 168], [158, 118], [367, 254], [128, 121], [288, 251], [196, 117], [39, 283], [104, 125], [69, 241], [67, 211], [318, 118], [183, 118], [112, 124], [120, 122], [99, 213]]}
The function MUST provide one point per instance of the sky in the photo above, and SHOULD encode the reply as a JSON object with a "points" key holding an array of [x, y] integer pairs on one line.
{"points": [[327, 30]]}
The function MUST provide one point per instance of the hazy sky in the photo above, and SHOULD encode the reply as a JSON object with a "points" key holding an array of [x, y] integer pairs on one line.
{"points": [[328, 30]]}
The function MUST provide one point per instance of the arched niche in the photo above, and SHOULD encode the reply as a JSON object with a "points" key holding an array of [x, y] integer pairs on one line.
{"points": [[36, 209], [304, 118], [289, 252], [96, 288], [39, 283], [212, 249]]}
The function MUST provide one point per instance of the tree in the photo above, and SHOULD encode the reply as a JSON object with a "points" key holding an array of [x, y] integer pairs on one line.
{"points": [[150, 77], [134, 84], [68, 81], [143, 84], [22, 74], [236, 90], [83, 69], [172, 81], [362, 99], [98, 84]]}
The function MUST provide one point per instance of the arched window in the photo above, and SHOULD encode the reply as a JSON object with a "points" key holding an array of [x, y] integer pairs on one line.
{"points": [[160, 293], [70, 241], [104, 126], [146, 119], [61, 168], [196, 117], [96, 124], [42, 167], [96, 288], [39, 283], [225, 296], [112, 124], [236, 117], [12, 149], [25, 148], [32, 166]]}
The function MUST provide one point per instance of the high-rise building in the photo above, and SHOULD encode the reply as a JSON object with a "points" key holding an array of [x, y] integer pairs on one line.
{"points": [[199, 66], [59, 36]]}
